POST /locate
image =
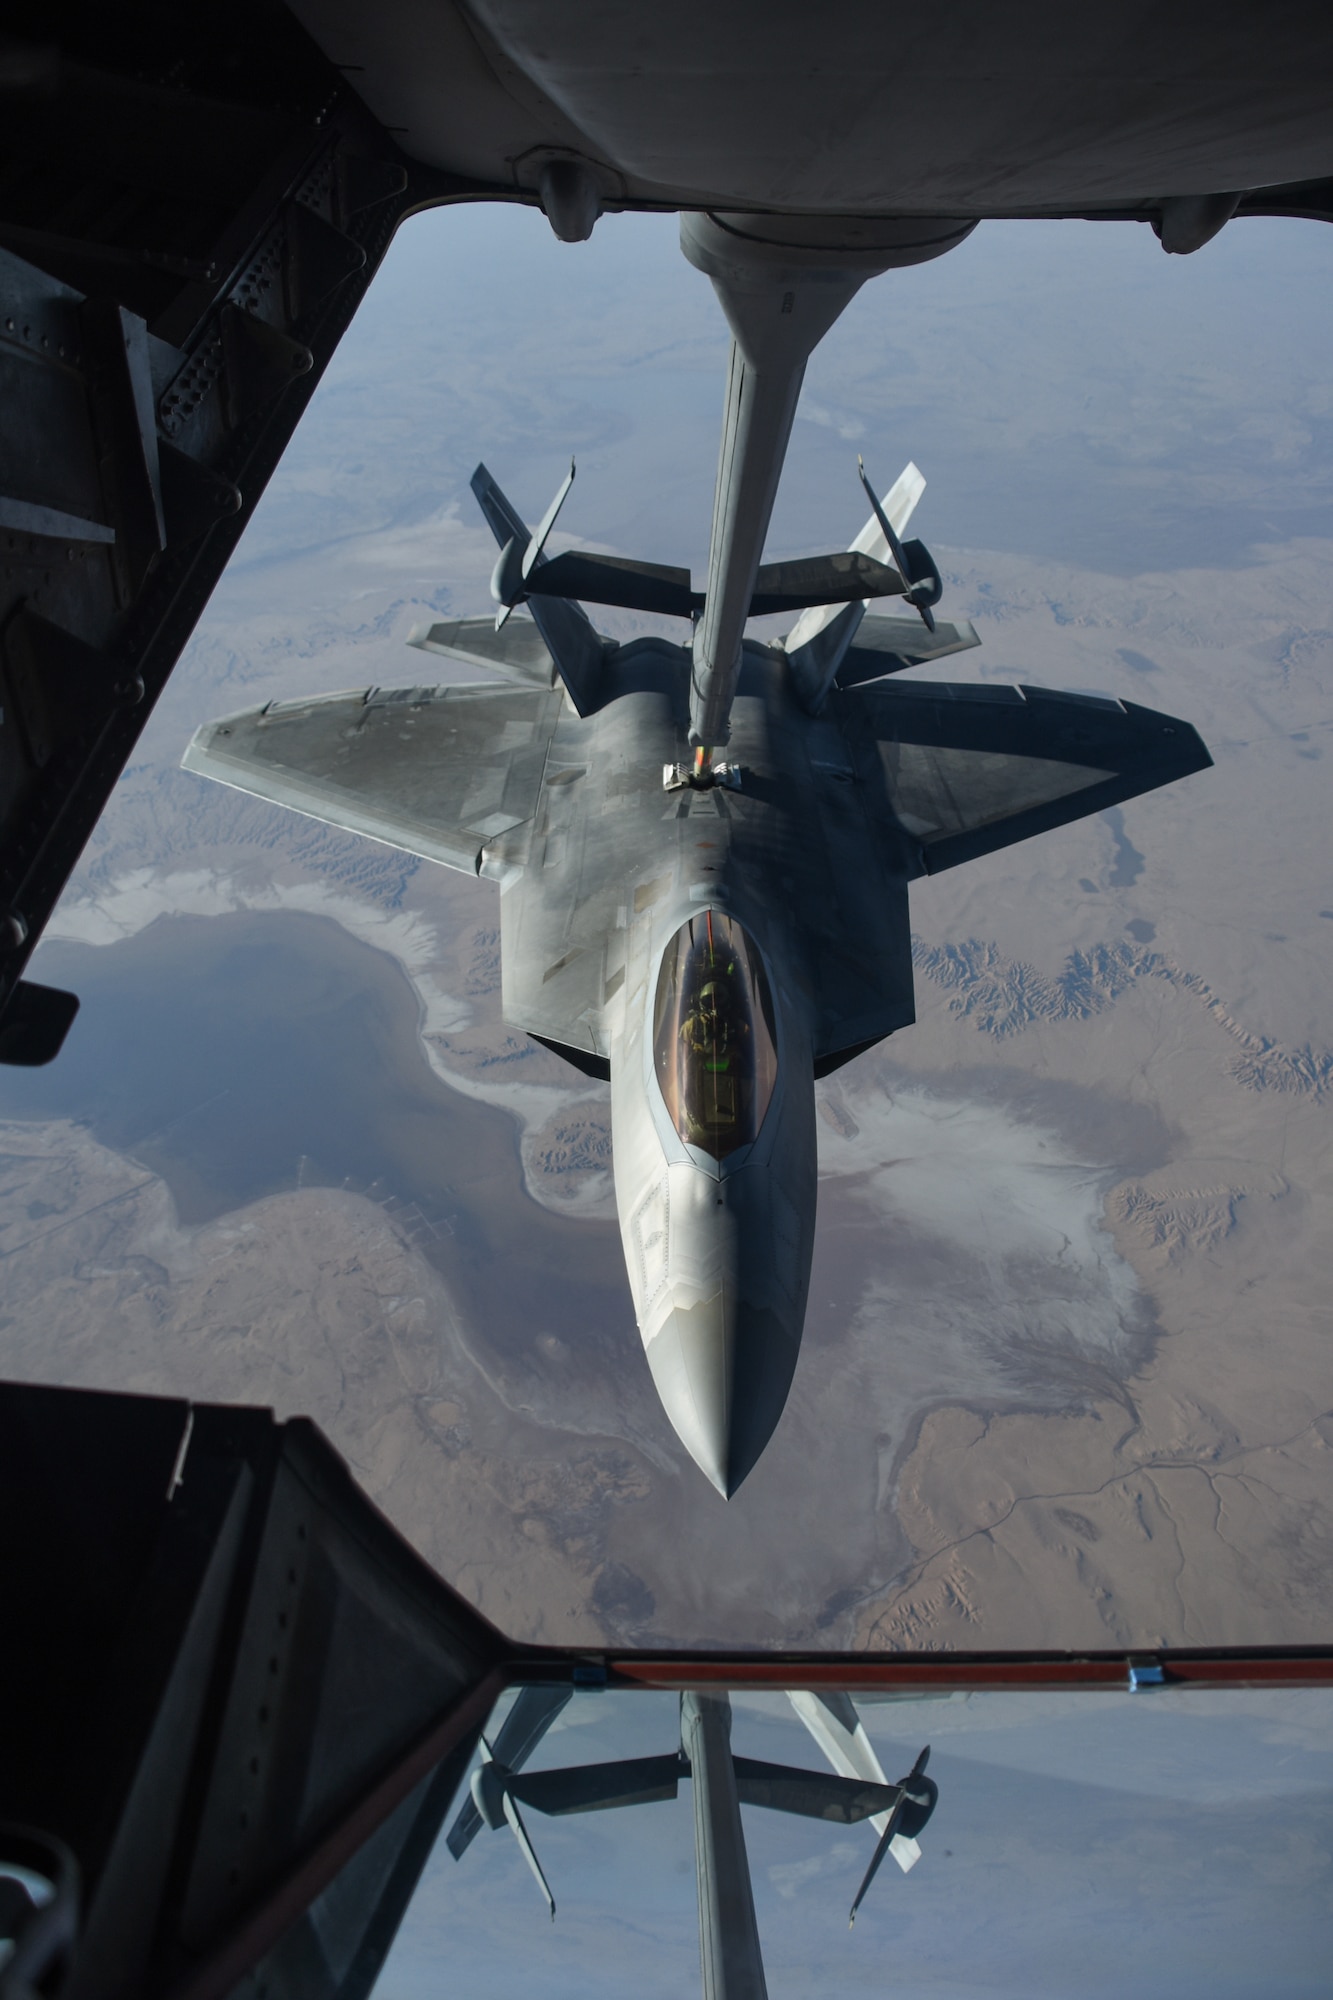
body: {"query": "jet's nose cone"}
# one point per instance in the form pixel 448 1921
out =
pixel 723 1368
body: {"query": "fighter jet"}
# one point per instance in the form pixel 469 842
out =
pixel 703 849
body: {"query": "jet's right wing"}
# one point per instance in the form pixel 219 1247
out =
pixel 962 770
pixel 437 771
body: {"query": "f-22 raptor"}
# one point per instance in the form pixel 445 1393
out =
pixel 704 849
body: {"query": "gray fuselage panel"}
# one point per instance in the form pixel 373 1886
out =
pixel 791 854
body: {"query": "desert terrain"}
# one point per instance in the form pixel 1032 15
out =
pixel 1068 1370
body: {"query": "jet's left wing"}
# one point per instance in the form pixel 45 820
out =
pixel 438 771
pixel 962 770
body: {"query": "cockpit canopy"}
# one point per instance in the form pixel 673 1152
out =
pixel 714 1046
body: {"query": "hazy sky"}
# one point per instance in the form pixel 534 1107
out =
pixel 1068 389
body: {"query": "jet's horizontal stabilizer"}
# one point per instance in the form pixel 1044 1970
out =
pixel 887 645
pixel 880 646
pixel 518 651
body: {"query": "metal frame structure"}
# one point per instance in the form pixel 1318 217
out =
pixel 241 1705
pixel 193 203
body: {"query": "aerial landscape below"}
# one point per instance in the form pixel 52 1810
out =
pixel 713 943
pixel 1064 1378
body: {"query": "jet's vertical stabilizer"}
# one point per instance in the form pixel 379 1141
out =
pixel 502 518
pixel 577 649
pixel 817 643
pixel 832 1720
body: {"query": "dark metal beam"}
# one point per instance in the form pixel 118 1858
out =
pixel 191 210
pixel 227 1680
pixel 445 1748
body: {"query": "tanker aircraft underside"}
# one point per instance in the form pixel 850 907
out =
pixel 731 1960
pixel 704 849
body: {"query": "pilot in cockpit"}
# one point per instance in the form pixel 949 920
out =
pixel 715 1037
pixel 715 1027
